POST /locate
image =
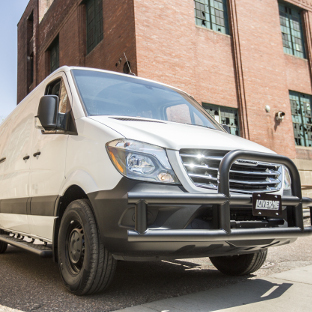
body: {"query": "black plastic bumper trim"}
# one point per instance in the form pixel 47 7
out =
pixel 205 199
pixel 159 235
pixel 37 206
pixel 186 199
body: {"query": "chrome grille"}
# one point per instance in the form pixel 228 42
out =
pixel 202 167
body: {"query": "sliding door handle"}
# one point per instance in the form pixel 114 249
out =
pixel 37 154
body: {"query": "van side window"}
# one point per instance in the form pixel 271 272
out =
pixel 58 88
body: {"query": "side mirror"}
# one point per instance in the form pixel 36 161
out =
pixel 48 111
pixel 227 128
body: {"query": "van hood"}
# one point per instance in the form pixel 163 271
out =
pixel 172 135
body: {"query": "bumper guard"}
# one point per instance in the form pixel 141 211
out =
pixel 223 199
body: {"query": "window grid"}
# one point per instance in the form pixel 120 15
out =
pixel 225 116
pixel 292 33
pixel 301 118
pixel 94 12
pixel 212 14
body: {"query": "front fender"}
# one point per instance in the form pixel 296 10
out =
pixel 82 179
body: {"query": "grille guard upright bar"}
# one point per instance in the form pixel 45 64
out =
pixel 223 187
pixel 224 200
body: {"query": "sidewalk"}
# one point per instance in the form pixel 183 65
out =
pixel 286 291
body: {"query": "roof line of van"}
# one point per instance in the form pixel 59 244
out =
pixel 67 69
pixel 120 74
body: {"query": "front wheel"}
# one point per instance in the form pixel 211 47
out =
pixel 86 266
pixel 3 245
pixel 240 265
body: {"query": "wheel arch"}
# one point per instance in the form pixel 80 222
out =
pixel 72 193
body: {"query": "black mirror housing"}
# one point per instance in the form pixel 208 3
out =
pixel 48 112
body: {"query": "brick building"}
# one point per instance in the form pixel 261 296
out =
pixel 243 60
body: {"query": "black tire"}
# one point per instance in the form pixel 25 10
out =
pixel 240 265
pixel 3 245
pixel 85 264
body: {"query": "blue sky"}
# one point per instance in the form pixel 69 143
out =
pixel 11 13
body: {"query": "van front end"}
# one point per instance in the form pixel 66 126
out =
pixel 151 221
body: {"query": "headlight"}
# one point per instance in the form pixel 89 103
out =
pixel 141 161
pixel 287 179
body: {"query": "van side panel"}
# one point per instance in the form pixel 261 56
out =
pixel 42 226
pixel 14 222
pixel 16 135
pixel 47 170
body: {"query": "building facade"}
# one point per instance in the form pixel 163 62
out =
pixel 247 62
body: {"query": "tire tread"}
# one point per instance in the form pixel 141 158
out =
pixel 102 264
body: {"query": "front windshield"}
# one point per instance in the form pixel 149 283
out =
pixel 118 95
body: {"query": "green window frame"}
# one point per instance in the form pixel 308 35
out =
pixel 225 116
pixel 292 30
pixel 301 117
pixel 94 19
pixel 212 14
pixel 54 55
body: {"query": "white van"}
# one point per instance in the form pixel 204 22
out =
pixel 101 166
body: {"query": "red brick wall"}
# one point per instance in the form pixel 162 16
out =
pixel 67 19
pixel 118 27
pixel 264 69
pixel 55 22
pixel 163 43
pixel 298 74
pixel 119 38
pixel 171 49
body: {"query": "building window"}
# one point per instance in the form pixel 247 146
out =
pixel 30 53
pixel 225 116
pixel 30 72
pixel 30 26
pixel 301 118
pixel 54 55
pixel 292 31
pixel 94 12
pixel 212 14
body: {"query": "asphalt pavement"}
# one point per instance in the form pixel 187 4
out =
pixel 286 291
pixel 30 283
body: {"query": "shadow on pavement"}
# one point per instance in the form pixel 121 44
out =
pixel 31 283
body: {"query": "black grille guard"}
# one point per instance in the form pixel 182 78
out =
pixel 223 199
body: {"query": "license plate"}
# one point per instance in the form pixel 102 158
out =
pixel 266 205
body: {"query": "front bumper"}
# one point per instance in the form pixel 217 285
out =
pixel 223 201
pixel 144 234
pixel 139 221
